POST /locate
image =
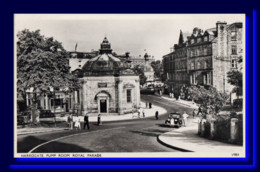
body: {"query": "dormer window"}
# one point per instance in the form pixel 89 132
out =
pixel 205 39
pixel 192 41
pixel 199 40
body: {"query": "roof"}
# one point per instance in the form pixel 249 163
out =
pixel 103 64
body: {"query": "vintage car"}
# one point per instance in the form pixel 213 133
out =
pixel 174 120
pixel 148 90
pixel 46 114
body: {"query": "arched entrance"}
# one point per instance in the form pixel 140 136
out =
pixel 103 102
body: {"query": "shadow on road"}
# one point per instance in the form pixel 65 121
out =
pixel 31 141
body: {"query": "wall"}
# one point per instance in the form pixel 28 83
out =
pixel 116 87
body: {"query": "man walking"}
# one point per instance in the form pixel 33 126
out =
pixel 143 113
pixel 184 117
pixel 199 111
pixel 70 121
pixel 86 121
pixel 156 115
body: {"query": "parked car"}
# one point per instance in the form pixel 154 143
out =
pixel 148 90
pixel 46 114
pixel 174 120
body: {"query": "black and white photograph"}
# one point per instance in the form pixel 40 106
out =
pixel 129 85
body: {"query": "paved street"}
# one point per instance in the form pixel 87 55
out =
pixel 137 135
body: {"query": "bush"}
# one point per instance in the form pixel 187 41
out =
pixel 206 97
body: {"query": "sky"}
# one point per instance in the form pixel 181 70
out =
pixel 134 33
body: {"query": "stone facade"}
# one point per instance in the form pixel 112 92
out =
pixel 111 89
pixel 208 55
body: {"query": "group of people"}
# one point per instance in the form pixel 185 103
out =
pixel 75 123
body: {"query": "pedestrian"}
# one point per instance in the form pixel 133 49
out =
pixel 70 121
pixel 200 110
pixel 132 111
pixel 194 113
pixel 150 105
pixel 171 122
pixel 143 113
pixel 77 123
pixel 99 120
pixel 200 116
pixel 156 115
pixel 184 118
pixel 138 112
pixel 86 121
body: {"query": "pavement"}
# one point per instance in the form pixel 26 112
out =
pixel 92 118
pixel 187 139
pixel 180 101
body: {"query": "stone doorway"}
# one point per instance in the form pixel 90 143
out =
pixel 103 106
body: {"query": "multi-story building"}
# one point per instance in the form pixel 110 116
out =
pixel 208 56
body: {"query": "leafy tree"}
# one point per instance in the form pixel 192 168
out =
pixel 42 63
pixel 157 66
pixel 209 97
pixel 236 78
pixel 139 69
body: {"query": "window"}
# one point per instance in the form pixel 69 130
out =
pixel 233 36
pixel 192 41
pixel 205 65
pixel 205 51
pixel 209 78
pixel 198 52
pixel 192 66
pixel 128 96
pixel 205 78
pixel 205 39
pixel 191 53
pixel 198 65
pixel 234 49
pixel 199 39
pixel 234 63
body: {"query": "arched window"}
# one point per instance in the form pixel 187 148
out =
pixel 205 65
pixel 198 65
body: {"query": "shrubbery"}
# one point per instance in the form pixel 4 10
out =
pixel 206 97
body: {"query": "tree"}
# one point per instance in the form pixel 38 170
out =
pixel 139 69
pixel 235 78
pixel 207 97
pixel 41 64
pixel 157 66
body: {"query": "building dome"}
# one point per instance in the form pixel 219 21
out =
pixel 105 63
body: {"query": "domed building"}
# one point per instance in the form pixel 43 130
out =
pixel 108 85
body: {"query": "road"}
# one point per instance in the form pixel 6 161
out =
pixel 137 135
